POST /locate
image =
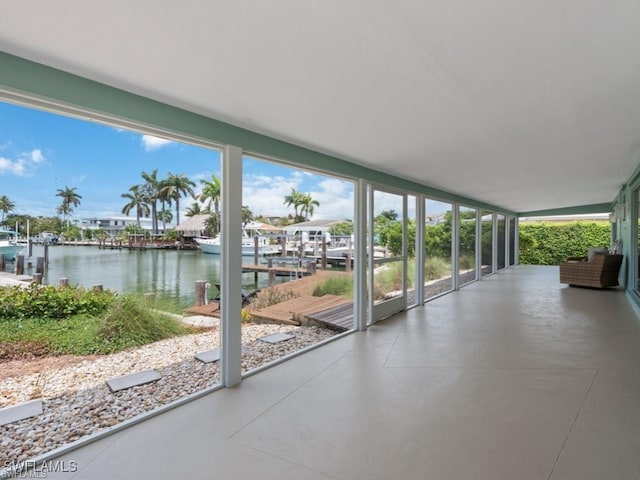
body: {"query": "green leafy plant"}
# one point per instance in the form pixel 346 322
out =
pixel 552 243
pixel 130 323
pixel 51 302
pixel 271 296
pixel 341 285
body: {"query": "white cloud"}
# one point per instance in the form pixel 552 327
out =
pixel 36 156
pixel 265 196
pixel 16 167
pixel 23 165
pixel 149 142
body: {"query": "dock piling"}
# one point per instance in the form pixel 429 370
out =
pixel 40 261
pixel 20 265
pixel 64 282
pixel 201 288
pixel 3 262
pixel 311 267
pixel 37 278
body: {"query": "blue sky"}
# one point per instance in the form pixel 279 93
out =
pixel 41 152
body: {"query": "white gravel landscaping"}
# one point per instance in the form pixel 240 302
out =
pixel 77 401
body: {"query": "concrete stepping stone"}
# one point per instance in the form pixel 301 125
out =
pixel 276 337
pixel 21 411
pixel 209 356
pixel 133 380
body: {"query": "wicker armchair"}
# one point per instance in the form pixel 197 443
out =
pixel 601 272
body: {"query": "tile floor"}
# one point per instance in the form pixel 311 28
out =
pixel 513 377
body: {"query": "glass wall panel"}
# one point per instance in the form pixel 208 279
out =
pixel 438 240
pixel 411 251
pixel 467 245
pixel 388 244
pixel 298 253
pixel 512 240
pixel 636 237
pixel 487 243
pixel 501 241
pixel 119 232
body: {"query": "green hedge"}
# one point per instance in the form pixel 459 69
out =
pixel 552 243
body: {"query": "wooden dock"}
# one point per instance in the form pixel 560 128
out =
pixel 338 318
pixel 9 280
pixel 279 271
pixel 309 310
pixel 211 309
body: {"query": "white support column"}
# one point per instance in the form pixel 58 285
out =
pixel 231 279
pixel 419 281
pixel 478 244
pixel 455 246
pixel 516 249
pixel 405 248
pixel 360 261
pixel 370 276
pixel 507 238
pixel 494 243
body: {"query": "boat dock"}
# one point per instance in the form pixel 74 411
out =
pixel 329 311
pixel 8 279
pixel 279 271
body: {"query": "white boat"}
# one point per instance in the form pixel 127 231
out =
pixel 212 245
pixel 9 244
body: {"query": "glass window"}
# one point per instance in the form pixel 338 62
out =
pixel 438 239
pixel 512 240
pixel 501 241
pixel 487 243
pixel 467 245
pixel 298 251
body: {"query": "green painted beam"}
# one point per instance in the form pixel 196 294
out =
pixel 577 210
pixel 42 82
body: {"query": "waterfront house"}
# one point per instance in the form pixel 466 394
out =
pixel 509 109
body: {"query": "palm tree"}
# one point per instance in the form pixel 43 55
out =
pixel 166 216
pixel 247 215
pixel 294 199
pixel 194 209
pixel 151 190
pixel 211 193
pixel 165 201
pixel 6 206
pixel 307 206
pixel 174 187
pixel 70 199
pixel 137 200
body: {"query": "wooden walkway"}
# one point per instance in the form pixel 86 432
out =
pixel 278 271
pixel 328 311
pixel 338 318
pixel 9 280
pixel 212 309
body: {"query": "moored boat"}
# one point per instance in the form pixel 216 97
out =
pixel 252 232
pixel 9 244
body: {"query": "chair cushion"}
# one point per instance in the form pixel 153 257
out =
pixel 593 251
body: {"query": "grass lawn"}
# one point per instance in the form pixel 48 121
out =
pixel 126 323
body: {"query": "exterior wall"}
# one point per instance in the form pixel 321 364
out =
pixel 624 228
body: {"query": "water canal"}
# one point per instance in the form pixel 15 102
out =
pixel 169 273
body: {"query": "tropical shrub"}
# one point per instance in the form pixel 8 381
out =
pixel 341 285
pixel 51 302
pixel 552 243
pixel 130 323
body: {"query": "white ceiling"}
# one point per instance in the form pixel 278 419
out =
pixel 528 105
